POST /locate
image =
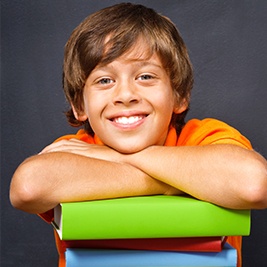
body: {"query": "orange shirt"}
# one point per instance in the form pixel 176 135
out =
pixel 195 133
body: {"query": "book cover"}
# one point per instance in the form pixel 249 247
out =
pixel 148 217
pixel 200 244
pixel 141 258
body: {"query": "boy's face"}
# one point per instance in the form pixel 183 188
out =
pixel 129 102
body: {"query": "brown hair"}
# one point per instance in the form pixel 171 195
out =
pixel 123 24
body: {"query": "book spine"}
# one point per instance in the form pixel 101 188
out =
pixel 130 258
pixel 201 244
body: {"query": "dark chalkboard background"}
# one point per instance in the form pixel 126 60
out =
pixel 227 41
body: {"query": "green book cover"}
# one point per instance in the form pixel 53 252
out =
pixel 148 217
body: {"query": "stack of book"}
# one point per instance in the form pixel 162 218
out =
pixel 149 231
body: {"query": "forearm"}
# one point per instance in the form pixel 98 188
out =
pixel 226 175
pixel 43 181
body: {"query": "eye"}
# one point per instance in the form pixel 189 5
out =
pixel 105 81
pixel 145 77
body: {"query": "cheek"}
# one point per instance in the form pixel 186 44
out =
pixel 92 103
pixel 95 105
pixel 165 102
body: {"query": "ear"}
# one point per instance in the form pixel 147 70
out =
pixel 79 115
pixel 181 106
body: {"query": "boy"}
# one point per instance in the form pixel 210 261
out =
pixel 127 77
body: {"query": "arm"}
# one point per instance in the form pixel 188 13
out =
pixel 43 181
pixel 227 175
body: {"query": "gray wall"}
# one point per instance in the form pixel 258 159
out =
pixel 227 43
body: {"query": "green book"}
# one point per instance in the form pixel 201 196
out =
pixel 148 217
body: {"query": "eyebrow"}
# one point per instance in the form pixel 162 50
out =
pixel 142 63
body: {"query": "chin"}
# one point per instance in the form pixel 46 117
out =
pixel 128 149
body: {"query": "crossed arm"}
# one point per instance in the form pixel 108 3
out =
pixel 72 170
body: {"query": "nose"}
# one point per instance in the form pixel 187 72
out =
pixel 126 93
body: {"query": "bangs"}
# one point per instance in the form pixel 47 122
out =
pixel 117 46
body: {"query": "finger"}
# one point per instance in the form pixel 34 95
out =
pixel 54 146
pixel 71 145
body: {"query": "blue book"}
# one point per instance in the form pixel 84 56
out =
pixel 138 258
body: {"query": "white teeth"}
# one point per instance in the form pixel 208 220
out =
pixel 127 120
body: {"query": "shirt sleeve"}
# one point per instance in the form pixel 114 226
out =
pixel 211 131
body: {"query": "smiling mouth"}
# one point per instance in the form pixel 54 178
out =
pixel 128 120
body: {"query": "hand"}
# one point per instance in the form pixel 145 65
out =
pixel 79 147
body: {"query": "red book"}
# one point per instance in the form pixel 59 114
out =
pixel 201 244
